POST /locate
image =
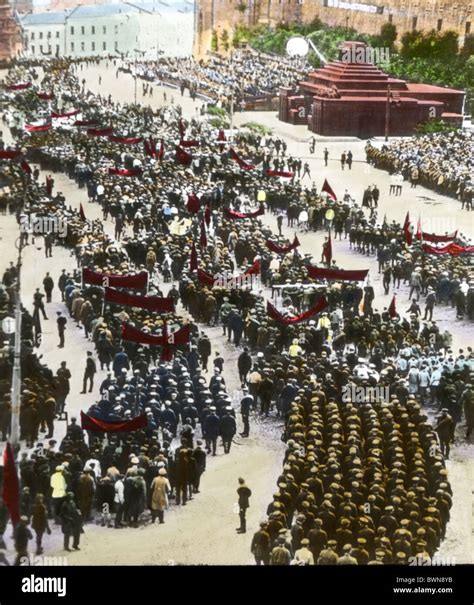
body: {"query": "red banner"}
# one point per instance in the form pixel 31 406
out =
pixel 193 203
pixel 190 143
pixel 33 128
pixel 67 114
pixel 134 282
pixel 152 303
pixel 22 86
pixel 232 214
pixel 328 189
pixel 203 237
pixel 85 123
pixel 11 485
pixel 254 269
pixel 26 167
pixel 181 128
pixel 89 423
pixel 242 163
pixel 124 172
pixel 82 214
pixel 392 309
pixel 287 321
pixel 45 96
pixel 205 278
pixel 432 237
pixel 282 249
pixel 453 249
pixel 132 334
pixel 406 230
pixel 193 261
pixel 100 132
pixel 207 215
pixel 339 274
pixel 280 173
pixel 125 140
pixel 9 154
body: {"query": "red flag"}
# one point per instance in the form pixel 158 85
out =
pixel 85 123
pixel 183 157
pixel 202 237
pixel 193 263
pixel 190 143
pixel 221 137
pixel 161 152
pixel 22 86
pixel 100 132
pixel 132 334
pixel 207 215
pixel 49 185
pixel 328 189
pixel 45 96
pixel 392 310
pixel 9 154
pixel 205 278
pixel 11 485
pixel 327 251
pixel 453 249
pixel 193 204
pixel 277 316
pixel 26 167
pixel 432 237
pixel 82 214
pixel 419 232
pixel 152 303
pixel 254 269
pixel 406 230
pixel 89 423
pixel 242 163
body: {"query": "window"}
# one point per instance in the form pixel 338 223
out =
pixel 116 45
pixel 115 29
pixel 83 30
pixel 33 35
pixel 72 47
pixel 104 45
pixel 41 48
pixel 57 34
pixel 49 48
pixel 33 49
pixel 93 46
pixel 104 29
pixel 72 30
pixel 92 29
pixel 83 46
pixel 41 35
pixel 414 21
pixel 439 25
pixel 390 18
pixel 467 30
pixel 57 50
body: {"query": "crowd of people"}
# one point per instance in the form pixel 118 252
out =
pixel 364 479
pixel 441 161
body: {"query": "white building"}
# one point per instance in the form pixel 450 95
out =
pixel 142 29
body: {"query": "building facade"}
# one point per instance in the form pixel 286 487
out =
pixel 141 30
pixel 365 16
pixel 10 32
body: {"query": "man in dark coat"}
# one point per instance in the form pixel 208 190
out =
pixel 260 546
pixel 71 522
pixel 244 494
pixel 211 430
pixel 227 429
pixel 48 285
pixel 244 364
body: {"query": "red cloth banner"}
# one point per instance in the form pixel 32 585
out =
pixel 432 237
pixel 85 123
pixel 21 86
pixel 242 163
pixel 33 128
pixel 183 157
pixel 100 132
pixel 125 140
pixel 124 172
pixel 26 167
pixel 328 189
pixel 280 173
pixel 133 282
pixel 152 303
pixel 232 214
pixel 453 249
pixel 67 114
pixel 82 214
pixel 180 337
pixel 161 152
pixel 45 96
pixel 205 278
pixel 181 128
pixel 287 321
pixel 254 269
pixel 339 274
pixel 190 143
pixel 193 262
pixel 406 230
pixel 193 203
pixel 9 154
pixel 11 485
pixel 89 423
pixel 392 309
pixel 282 249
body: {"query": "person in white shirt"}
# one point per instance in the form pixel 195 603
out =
pixel 119 500
pixel 303 556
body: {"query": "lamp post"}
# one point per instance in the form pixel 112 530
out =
pixel 16 374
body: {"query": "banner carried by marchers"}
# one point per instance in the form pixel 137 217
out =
pixel 287 321
pixel 152 303
pixel 180 337
pixel 337 274
pixel 133 282
pixel 89 423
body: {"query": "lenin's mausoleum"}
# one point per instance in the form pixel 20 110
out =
pixel 358 99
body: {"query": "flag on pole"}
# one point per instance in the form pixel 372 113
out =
pixel 419 232
pixel 406 230
pixel 82 213
pixel 329 190
pixel 203 238
pixel 392 309
pixel 193 263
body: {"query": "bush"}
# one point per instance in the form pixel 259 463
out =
pixel 219 112
pixel 433 126
pixel 219 122
pixel 257 128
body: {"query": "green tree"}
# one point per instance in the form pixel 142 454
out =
pixel 225 40
pixel 214 41
pixel 388 35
